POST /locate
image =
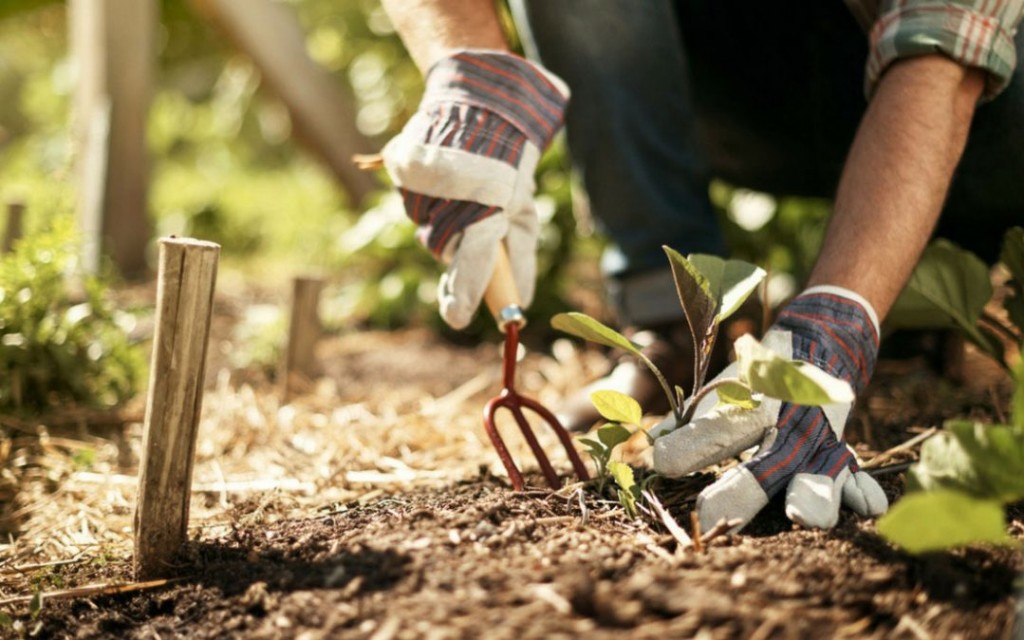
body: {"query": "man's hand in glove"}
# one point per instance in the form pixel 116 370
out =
pixel 801 448
pixel 464 164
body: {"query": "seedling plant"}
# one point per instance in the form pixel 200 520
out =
pixel 970 471
pixel 710 289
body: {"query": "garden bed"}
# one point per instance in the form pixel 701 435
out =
pixel 372 507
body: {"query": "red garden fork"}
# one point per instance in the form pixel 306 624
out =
pixel 503 300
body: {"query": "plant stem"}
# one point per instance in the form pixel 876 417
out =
pixel 676 411
pixel 703 393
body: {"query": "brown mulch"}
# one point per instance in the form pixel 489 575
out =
pixel 372 507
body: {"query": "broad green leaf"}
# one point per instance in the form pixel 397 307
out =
pixel 628 491
pixel 944 464
pixel 1012 257
pixel 952 281
pixel 731 281
pixel 997 453
pixel 1012 253
pixel 617 407
pixel 736 393
pixel 788 380
pixel 583 326
pixel 700 306
pixel 936 520
pixel 983 460
pixel 612 435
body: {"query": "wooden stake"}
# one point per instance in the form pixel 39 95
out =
pixel 299 365
pixel 188 272
pixel 13 230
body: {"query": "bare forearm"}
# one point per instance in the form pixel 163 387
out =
pixel 432 29
pixel 897 176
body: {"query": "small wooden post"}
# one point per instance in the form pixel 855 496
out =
pixel 186 278
pixel 299 365
pixel 13 230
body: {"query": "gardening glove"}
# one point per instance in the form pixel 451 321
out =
pixel 801 448
pixel 464 164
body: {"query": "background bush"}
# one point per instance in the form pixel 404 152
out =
pixel 61 340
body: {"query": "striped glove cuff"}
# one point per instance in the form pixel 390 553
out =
pixel 834 329
pixel 477 98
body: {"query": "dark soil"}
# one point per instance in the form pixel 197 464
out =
pixel 473 559
pixel 476 560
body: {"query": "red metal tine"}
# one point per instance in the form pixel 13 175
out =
pixel 511 400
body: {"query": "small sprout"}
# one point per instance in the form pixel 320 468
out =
pixel 628 490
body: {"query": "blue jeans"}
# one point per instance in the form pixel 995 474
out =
pixel 667 94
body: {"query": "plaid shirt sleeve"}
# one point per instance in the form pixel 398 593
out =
pixel 975 33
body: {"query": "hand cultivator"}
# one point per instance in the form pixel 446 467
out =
pixel 503 300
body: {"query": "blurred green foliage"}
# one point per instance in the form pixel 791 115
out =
pixel 225 167
pixel 61 340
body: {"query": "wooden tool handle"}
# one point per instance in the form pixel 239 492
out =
pixel 502 293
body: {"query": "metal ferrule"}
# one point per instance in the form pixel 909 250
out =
pixel 512 314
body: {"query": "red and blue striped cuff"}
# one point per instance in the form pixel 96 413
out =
pixel 439 220
pixel 499 83
pixel 834 333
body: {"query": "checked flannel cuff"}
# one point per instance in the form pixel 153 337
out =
pixel 489 104
pixel 974 33
pixel 837 332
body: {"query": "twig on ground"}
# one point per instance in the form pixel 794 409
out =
pixel 683 538
pixel 721 527
pixel 93 590
pixel 698 544
pixel 909 444
pixel 25 568
pixel 889 468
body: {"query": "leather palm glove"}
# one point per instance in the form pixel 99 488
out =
pixel 801 449
pixel 464 164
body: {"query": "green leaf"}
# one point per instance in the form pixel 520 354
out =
pixel 628 490
pixel 1017 408
pixel 788 380
pixel 983 460
pixel 736 393
pixel 997 453
pixel 700 306
pixel 35 605
pixel 5 621
pixel 1012 253
pixel 944 464
pixel 1012 257
pixel 583 326
pixel 617 407
pixel 594 447
pixel 937 520
pixel 953 282
pixel 612 435
pixel 731 281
